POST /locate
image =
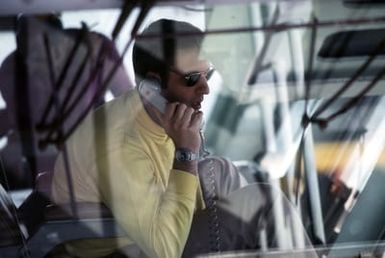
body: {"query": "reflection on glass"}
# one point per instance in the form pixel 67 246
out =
pixel 273 91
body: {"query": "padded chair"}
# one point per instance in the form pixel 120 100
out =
pixel 37 226
pixel 49 84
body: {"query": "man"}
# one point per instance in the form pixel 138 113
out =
pixel 124 153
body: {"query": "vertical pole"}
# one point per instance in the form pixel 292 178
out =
pixel 23 107
pixel 313 186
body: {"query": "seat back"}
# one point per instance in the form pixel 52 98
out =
pixel 10 230
pixel 49 84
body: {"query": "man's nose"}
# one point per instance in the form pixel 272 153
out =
pixel 203 87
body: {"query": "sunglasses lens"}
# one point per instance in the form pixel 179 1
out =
pixel 209 74
pixel 192 79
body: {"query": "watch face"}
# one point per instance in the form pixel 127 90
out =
pixel 185 155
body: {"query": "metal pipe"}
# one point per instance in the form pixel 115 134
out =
pixel 276 27
pixel 312 185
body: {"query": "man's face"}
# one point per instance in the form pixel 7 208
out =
pixel 187 62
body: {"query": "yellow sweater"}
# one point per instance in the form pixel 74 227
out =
pixel 121 157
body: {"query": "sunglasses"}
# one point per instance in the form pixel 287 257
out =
pixel 192 78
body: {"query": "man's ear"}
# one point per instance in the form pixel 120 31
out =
pixel 157 77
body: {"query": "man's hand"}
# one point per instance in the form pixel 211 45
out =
pixel 182 124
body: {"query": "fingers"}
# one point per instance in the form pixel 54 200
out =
pixel 182 115
pixel 196 120
pixel 170 110
pixel 182 124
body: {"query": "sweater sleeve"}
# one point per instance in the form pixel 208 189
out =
pixel 155 217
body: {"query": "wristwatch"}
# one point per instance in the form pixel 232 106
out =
pixel 183 154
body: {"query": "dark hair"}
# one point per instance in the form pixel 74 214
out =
pixel 156 50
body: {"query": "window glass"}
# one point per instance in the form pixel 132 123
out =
pixel 294 113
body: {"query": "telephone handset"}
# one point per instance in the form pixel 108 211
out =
pixel 150 89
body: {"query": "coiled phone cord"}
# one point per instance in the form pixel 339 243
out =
pixel 211 196
pixel 214 234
